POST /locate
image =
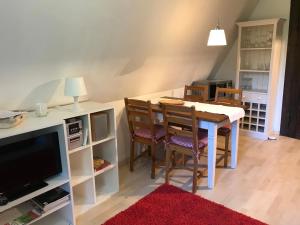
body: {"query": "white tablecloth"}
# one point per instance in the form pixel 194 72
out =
pixel 233 113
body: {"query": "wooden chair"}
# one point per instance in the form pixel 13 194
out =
pixel 196 93
pixel 142 129
pixel 184 141
pixel 228 96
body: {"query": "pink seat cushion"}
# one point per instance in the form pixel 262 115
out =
pixel 146 133
pixel 187 142
pixel 224 130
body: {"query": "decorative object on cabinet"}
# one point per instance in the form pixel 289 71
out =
pixel 259 46
pixel 74 133
pixel 9 119
pixel 75 87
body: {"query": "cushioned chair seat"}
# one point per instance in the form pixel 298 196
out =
pixel 223 131
pixel 187 142
pixel 146 133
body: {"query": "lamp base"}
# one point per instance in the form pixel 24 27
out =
pixel 76 107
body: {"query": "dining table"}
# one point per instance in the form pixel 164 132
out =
pixel 211 116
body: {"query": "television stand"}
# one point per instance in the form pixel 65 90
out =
pixel 24 190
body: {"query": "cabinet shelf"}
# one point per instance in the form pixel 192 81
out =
pixel 107 168
pixel 25 207
pixel 255 49
pixel 52 183
pixel 76 180
pixel 255 71
pixel 79 149
pixel 111 137
pixel 49 212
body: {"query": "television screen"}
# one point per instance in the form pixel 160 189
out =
pixel 28 161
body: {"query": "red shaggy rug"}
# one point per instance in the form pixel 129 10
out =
pixel 169 205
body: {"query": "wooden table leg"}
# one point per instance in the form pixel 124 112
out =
pixel 234 143
pixel 212 150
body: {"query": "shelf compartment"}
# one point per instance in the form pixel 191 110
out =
pixel 13 213
pixel 59 217
pixel 254 81
pixel 106 184
pixel 253 120
pixel 102 126
pixel 246 126
pixel 254 106
pixel 52 183
pixel 81 166
pixel 254 113
pixel 260 36
pixel 261 122
pixel 103 140
pixel 253 127
pixel 106 151
pixel 84 197
pixel 246 119
pixel 263 107
pixel 247 112
pixel 73 132
pixel 262 114
pixel 261 129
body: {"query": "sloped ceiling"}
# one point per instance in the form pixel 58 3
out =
pixel 121 47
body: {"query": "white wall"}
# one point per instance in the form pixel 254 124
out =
pixel 121 47
pixel 265 9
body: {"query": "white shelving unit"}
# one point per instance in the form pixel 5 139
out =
pixel 87 187
pixel 259 46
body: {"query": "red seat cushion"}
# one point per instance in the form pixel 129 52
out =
pixel 146 133
pixel 187 142
pixel 223 131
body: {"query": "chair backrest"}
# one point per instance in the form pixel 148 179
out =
pixel 177 117
pixel 229 96
pixel 196 93
pixel 139 115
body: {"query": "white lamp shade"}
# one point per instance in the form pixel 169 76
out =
pixel 217 38
pixel 75 86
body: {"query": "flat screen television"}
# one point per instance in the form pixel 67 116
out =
pixel 24 165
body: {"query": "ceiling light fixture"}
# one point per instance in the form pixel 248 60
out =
pixel 217 37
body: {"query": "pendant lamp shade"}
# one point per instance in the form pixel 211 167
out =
pixel 217 37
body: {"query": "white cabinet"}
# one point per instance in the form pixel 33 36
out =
pixel 259 46
pixel 86 186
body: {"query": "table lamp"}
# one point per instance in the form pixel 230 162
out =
pixel 75 87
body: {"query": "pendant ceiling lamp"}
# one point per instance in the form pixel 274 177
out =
pixel 217 37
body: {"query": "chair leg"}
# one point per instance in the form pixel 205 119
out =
pixel 195 174
pixel 132 154
pixel 153 148
pixel 226 149
pixel 149 150
pixel 173 159
pixel 168 164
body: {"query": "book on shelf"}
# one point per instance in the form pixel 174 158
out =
pixel 26 218
pixel 99 164
pixel 51 199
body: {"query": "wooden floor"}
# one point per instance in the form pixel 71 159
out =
pixel 266 184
